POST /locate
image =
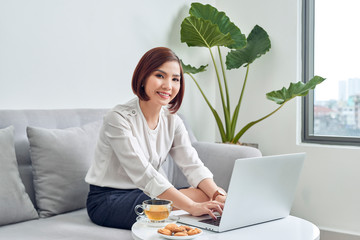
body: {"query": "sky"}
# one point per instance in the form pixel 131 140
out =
pixel 337 44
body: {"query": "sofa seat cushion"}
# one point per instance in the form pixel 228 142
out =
pixel 71 226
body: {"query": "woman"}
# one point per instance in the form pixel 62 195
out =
pixel 134 141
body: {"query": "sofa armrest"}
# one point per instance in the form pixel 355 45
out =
pixel 220 158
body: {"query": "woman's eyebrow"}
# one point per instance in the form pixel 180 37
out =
pixel 161 71
pixel 175 74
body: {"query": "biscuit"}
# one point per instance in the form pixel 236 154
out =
pixel 180 234
pixel 179 229
pixel 187 228
pixel 171 226
pixel 192 232
pixel 173 229
pixel 165 231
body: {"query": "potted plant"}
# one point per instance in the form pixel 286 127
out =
pixel 209 28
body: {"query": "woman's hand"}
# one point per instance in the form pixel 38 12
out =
pixel 198 209
pixel 220 198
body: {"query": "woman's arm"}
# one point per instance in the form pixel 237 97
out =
pixel 209 187
pixel 186 157
pixel 183 202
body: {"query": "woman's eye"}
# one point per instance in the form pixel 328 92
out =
pixel 176 79
pixel 159 76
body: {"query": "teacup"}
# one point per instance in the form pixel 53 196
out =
pixel 156 210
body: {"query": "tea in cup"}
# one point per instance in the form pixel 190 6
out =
pixel 156 210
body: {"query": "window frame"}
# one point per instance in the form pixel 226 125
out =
pixel 308 8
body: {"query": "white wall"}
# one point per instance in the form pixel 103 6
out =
pixel 81 54
pixel 328 193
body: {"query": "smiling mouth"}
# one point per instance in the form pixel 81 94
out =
pixel 165 95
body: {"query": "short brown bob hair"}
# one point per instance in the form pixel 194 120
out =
pixel 151 61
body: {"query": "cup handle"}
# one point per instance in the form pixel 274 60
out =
pixel 137 212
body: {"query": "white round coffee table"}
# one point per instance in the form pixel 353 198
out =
pixel 291 227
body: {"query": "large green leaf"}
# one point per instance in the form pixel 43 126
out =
pixel 210 13
pixel 193 70
pixel 295 89
pixel 258 43
pixel 203 33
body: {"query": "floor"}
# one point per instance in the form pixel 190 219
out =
pixel 327 235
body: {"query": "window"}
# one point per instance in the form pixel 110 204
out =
pixel 331 49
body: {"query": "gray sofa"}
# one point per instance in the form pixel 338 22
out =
pixel 42 189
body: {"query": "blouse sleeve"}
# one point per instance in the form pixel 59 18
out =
pixel 131 157
pixel 186 157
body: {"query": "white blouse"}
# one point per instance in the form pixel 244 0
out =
pixel 129 154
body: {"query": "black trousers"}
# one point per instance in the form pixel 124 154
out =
pixel 111 207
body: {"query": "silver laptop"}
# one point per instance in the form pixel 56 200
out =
pixel 261 189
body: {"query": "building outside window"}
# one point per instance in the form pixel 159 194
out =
pixel 331 49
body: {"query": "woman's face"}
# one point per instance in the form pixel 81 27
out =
pixel 164 83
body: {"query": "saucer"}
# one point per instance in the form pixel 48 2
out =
pixel 180 237
pixel 159 224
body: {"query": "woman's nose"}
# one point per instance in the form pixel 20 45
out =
pixel 167 84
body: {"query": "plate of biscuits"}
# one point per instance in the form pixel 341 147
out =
pixel 174 231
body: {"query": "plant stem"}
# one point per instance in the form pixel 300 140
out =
pixel 249 125
pixel 226 113
pixel 225 81
pixel 216 115
pixel 237 109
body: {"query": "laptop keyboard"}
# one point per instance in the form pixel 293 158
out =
pixel 212 221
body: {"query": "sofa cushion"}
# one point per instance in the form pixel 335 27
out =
pixel 15 204
pixel 74 225
pixel 60 159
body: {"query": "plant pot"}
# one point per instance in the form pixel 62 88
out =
pixel 254 145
